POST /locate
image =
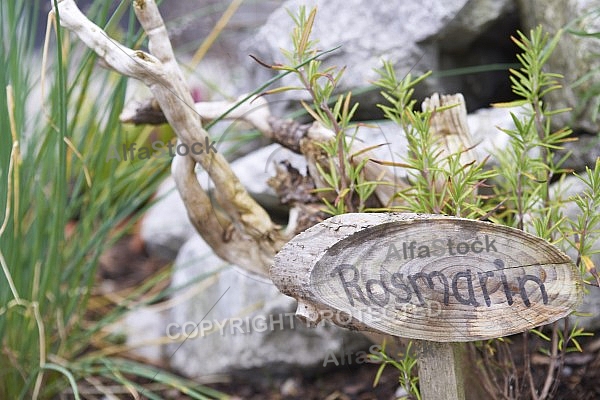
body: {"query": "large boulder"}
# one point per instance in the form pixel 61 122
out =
pixel 225 68
pixel 564 191
pixel 412 35
pixel 232 320
pixel 583 152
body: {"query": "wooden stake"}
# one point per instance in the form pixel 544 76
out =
pixel 441 367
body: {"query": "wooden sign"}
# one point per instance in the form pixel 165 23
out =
pixel 427 277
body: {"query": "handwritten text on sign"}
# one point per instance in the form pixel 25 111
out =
pixel 483 280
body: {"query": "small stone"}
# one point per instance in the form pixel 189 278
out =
pixel 400 393
pixel 291 387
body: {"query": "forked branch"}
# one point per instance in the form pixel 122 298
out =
pixel 244 234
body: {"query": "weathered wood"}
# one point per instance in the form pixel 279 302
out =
pixel 426 277
pixel 441 370
pixel 450 131
pixel 236 227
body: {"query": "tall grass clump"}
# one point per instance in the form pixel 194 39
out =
pixel 63 201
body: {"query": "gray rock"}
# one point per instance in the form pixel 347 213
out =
pixel 144 328
pixel 412 35
pixel 485 125
pixel 584 152
pixel 591 301
pixel 572 186
pixel 243 321
pixel 190 22
pixel 224 69
pixel 589 310
pixel 391 140
pixel 166 227
pixel 574 57
pixel 474 18
pixel 395 30
pixel 256 168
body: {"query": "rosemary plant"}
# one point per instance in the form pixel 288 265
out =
pixel 443 184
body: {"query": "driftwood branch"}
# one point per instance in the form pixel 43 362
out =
pixel 244 234
pixel 449 128
pixel 254 111
pixel 304 139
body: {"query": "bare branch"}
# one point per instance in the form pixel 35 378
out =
pixel 255 111
pixel 244 219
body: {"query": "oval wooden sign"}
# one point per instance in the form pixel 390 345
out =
pixel 426 277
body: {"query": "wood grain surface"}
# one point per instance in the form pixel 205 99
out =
pixel 426 277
